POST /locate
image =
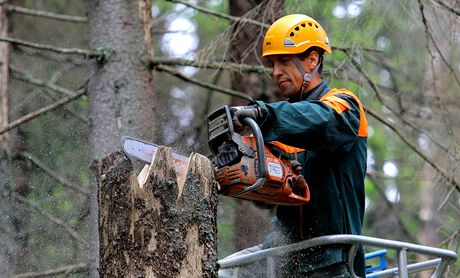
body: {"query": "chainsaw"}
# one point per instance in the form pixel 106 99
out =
pixel 246 168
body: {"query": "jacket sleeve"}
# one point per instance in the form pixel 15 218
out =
pixel 320 125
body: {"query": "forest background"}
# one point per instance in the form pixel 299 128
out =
pixel 78 75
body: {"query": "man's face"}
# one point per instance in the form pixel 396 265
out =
pixel 285 74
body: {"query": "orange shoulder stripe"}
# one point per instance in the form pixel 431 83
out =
pixel 330 99
pixel 338 104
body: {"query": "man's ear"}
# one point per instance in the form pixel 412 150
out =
pixel 313 60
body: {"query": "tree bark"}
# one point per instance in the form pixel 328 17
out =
pixel 121 88
pixel 158 224
pixel 13 171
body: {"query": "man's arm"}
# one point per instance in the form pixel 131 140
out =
pixel 321 125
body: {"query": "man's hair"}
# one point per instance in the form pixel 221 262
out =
pixel 307 52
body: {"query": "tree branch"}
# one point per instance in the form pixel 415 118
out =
pixel 242 68
pixel 430 38
pixel 69 269
pixel 52 218
pixel 221 15
pixel 450 179
pixel 42 111
pixel 200 83
pixel 393 209
pixel 45 14
pixel 450 9
pixel 62 180
pixel 76 51
pixel 23 76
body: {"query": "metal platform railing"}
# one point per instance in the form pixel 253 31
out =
pixel 443 257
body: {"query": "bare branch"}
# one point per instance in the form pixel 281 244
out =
pixel 430 38
pixel 379 96
pixel 52 218
pixel 450 179
pixel 62 180
pixel 69 269
pixel 20 75
pixel 43 110
pixel 55 57
pixel 393 209
pixel 200 83
pixel 221 15
pixel 45 14
pixel 450 9
pixel 242 68
pixel 83 52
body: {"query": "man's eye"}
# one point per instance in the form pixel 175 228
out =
pixel 268 64
pixel 285 61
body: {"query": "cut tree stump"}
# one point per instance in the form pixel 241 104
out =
pixel 157 224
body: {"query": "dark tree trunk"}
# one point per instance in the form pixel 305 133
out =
pixel 164 227
pixel 251 223
pixel 120 90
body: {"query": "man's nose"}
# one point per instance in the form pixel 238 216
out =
pixel 276 70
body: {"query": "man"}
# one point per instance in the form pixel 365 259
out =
pixel 331 126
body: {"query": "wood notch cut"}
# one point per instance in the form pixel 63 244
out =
pixel 157 217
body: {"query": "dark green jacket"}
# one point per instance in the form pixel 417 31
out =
pixel 334 166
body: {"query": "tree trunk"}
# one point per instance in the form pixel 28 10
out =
pixel 251 223
pixel 157 225
pixel 120 90
pixel 13 171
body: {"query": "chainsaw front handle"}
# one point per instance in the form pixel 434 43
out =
pixel 260 157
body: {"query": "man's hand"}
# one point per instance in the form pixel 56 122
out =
pixel 253 111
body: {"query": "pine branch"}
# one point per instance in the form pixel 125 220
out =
pixel 75 51
pixel 63 270
pixel 450 179
pixel 62 180
pixel 52 218
pixel 201 83
pixel 23 76
pixel 242 68
pixel 45 14
pixel 43 110
pixel 221 15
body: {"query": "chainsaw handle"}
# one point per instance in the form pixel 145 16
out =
pixel 260 147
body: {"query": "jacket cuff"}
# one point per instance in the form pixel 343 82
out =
pixel 264 110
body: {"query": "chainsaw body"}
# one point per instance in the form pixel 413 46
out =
pixel 248 169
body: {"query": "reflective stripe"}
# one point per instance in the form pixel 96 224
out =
pixel 338 104
pixel 331 100
pixel 286 148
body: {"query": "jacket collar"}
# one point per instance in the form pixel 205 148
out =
pixel 314 94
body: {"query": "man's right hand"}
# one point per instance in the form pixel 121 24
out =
pixel 252 111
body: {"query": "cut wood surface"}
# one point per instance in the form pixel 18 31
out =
pixel 152 225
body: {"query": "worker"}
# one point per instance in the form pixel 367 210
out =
pixel 330 125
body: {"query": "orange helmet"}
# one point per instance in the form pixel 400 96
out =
pixel 293 34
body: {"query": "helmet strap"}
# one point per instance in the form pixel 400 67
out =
pixel 306 77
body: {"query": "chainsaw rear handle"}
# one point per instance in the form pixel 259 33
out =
pixel 260 157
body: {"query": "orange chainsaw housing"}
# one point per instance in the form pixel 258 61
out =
pixel 278 187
